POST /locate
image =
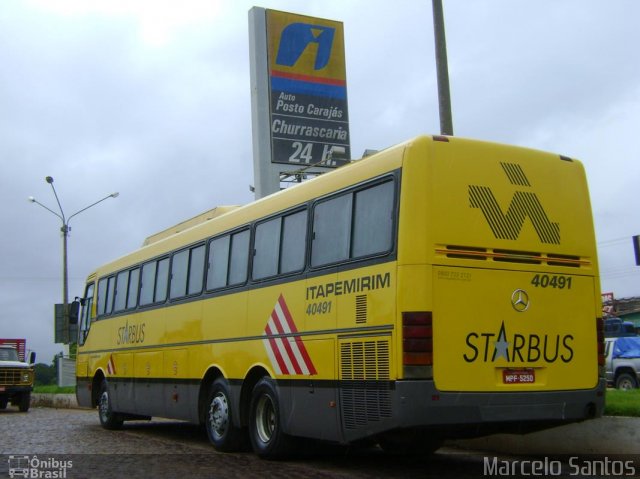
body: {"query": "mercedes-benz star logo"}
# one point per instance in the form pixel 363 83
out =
pixel 520 300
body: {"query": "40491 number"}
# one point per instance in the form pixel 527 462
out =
pixel 321 307
pixel 551 281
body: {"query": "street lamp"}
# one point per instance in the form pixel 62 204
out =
pixel 65 233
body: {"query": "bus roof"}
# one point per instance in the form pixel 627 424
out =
pixel 190 223
pixel 226 218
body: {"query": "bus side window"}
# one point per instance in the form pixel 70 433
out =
pixel 267 246
pixel 179 269
pixel 155 282
pixel 148 283
pixel 132 292
pixel 228 260
pixel 187 270
pixel 85 315
pixel 102 296
pixel 280 245
pixel 120 301
pixel 373 220
pixel 353 225
pixel 331 230
pixel 239 258
pixel 162 281
pixel 218 262
pixel 294 242
pixel 196 270
pixel 111 285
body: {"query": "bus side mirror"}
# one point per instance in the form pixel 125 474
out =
pixel 32 357
pixel 74 310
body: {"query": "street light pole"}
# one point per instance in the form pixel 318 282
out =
pixel 65 234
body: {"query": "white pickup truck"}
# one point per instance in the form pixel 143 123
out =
pixel 623 362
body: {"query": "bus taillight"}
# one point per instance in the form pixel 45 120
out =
pixel 417 338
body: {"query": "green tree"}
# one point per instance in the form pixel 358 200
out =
pixel 45 374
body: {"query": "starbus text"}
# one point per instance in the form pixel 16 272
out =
pixel 530 348
pixel 131 334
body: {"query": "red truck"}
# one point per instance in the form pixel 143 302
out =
pixel 16 375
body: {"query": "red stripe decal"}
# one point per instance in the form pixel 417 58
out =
pixel 287 314
pixel 276 351
pixel 292 326
pixel 287 349
pixel 285 342
pixel 305 356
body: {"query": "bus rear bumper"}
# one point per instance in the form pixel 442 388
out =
pixel 470 414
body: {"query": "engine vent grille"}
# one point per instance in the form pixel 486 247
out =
pixel 365 386
pixel 512 256
pixel 361 309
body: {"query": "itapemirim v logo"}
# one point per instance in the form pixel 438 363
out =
pixel 524 204
pixel 34 467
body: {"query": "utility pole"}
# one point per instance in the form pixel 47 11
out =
pixel 442 67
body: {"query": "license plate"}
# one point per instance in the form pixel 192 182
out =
pixel 518 376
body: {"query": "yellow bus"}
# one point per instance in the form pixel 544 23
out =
pixel 440 288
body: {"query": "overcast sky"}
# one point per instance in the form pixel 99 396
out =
pixel 152 99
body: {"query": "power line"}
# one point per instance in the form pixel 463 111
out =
pixel 619 273
pixel 614 241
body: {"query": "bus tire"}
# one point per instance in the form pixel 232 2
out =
pixel 109 419
pixel 25 402
pixel 218 420
pixel 265 428
pixel 626 381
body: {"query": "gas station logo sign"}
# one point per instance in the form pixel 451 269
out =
pixel 307 88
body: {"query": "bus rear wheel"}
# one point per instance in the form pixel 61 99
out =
pixel 109 419
pixel 218 421
pixel 265 429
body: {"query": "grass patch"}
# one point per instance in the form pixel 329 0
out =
pixel 622 403
pixel 53 389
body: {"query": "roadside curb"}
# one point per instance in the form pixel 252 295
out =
pixel 610 435
pixel 58 401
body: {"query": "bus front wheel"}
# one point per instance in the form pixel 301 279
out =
pixel 265 430
pixel 222 433
pixel 108 418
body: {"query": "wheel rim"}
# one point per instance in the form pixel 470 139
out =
pixel 626 384
pixel 219 415
pixel 104 406
pixel 265 418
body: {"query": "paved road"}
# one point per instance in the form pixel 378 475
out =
pixel 168 449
